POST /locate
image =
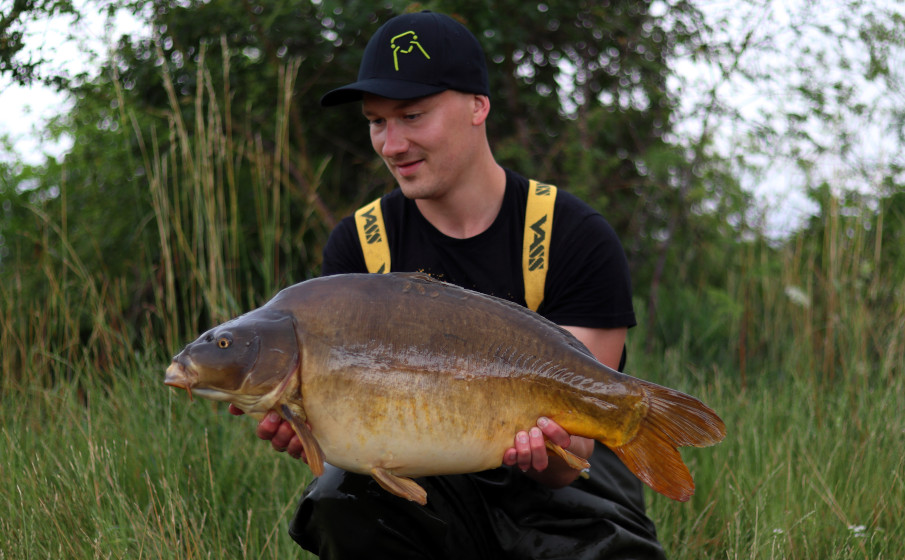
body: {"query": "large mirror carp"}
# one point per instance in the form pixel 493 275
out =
pixel 401 376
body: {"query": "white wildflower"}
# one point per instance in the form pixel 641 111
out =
pixel 858 531
pixel 798 296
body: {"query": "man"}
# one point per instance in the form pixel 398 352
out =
pixel 459 216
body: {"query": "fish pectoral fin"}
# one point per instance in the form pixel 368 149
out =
pixel 399 486
pixel 571 459
pixel 313 452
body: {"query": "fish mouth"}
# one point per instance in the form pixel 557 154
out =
pixel 179 376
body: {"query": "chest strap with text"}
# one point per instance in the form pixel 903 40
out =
pixel 372 235
pixel 535 245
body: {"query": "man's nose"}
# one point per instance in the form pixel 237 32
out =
pixel 394 140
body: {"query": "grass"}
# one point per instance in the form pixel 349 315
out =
pixel 805 472
pixel 134 470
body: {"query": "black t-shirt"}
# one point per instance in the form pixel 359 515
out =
pixel 587 281
pixel 587 285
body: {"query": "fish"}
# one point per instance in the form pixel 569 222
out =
pixel 401 376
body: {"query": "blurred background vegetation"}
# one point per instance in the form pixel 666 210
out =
pixel 203 177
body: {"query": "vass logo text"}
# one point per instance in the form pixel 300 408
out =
pixel 371 227
pixel 536 255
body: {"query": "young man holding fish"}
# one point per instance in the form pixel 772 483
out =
pixel 459 216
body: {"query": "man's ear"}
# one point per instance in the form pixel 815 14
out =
pixel 480 109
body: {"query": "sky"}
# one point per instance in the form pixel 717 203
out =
pixel 851 138
pixel 26 109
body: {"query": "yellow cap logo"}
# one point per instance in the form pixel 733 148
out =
pixel 405 43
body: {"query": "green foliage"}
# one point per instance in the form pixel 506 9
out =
pixel 139 238
pixel 185 120
pixel 15 16
pixel 835 288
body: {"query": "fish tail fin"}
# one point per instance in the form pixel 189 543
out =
pixel 673 420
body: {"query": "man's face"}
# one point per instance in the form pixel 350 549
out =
pixel 426 143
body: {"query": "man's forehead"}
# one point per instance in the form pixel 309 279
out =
pixel 371 102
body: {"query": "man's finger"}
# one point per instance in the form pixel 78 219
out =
pixel 538 449
pixel 267 428
pixel 283 436
pixel 523 450
pixel 296 450
pixel 554 432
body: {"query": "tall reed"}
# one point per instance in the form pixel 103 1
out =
pixel 201 191
pixel 812 466
pixel 227 213
pixel 101 459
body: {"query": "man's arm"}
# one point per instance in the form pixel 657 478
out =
pixel 605 344
pixel 529 452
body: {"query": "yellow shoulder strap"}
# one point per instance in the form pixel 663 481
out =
pixel 372 235
pixel 536 245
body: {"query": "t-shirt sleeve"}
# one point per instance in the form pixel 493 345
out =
pixel 342 253
pixel 589 284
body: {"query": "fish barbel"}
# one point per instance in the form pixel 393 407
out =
pixel 400 376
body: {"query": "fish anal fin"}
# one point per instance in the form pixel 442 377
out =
pixel 399 486
pixel 673 419
pixel 571 459
pixel 313 452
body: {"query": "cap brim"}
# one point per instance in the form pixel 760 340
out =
pixel 391 89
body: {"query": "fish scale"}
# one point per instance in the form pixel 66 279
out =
pixel 401 376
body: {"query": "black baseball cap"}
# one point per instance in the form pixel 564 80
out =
pixel 415 55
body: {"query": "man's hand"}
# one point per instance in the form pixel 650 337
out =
pixel 278 431
pixel 529 453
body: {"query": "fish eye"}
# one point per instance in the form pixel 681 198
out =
pixel 224 342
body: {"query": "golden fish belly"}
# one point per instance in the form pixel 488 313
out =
pixel 417 424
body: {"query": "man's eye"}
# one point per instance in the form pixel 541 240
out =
pixel 412 116
pixel 375 122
